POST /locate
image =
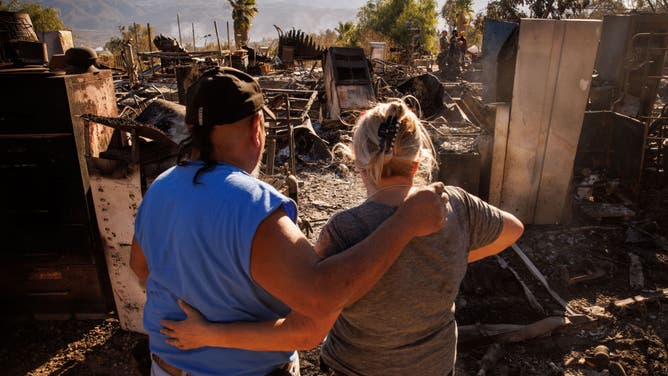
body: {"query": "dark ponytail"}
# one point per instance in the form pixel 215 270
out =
pixel 197 146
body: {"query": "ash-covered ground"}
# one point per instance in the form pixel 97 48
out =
pixel 636 335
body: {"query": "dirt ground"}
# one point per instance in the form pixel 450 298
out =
pixel 636 336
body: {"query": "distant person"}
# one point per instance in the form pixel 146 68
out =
pixel 405 325
pixel 453 50
pixel 443 41
pixel 463 46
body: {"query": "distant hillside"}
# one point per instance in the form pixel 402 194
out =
pixel 95 21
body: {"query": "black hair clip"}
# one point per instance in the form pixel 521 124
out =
pixel 386 133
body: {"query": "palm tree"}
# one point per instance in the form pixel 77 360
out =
pixel 243 12
pixel 345 31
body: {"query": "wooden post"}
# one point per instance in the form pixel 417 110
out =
pixel 194 48
pixel 178 23
pixel 148 33
pixel 137 45
pixel 271 154
pixel 134 24
pixel 220 49
pixel 130 66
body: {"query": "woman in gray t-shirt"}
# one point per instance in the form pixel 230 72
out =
pixel 405 323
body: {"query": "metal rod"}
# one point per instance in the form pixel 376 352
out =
pixel 653 117
pixel 179 54
pixel 533 302
pixel 215 26
pixel 291 134
pixel 534 270
pixel 639 35
pixel 229 43
pixel 290 91
pixel 150 43
pixel 193 25
pixel 178 23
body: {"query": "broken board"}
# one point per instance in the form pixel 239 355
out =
pixel 117 194
pixel 553 73
pixel 499 153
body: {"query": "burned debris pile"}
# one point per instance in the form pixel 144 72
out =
pixel 295 45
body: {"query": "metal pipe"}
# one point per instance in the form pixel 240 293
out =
pixel 215 26
pixel 178 23
pixel 150 42
pixel 291 135
pixel 638 35
pixel 194 48
pixel 229 43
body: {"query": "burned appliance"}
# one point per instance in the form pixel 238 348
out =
pixel 53 261
pixel 347 81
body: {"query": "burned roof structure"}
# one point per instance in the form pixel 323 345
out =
pixel 295 45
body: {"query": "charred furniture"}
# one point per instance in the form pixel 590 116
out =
pixel 52 257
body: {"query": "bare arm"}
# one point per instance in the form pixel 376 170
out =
pixel 283 261
pixel 294 332
pixel 138 262
pixel 512 230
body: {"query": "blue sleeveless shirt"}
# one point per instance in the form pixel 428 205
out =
pixel 197 242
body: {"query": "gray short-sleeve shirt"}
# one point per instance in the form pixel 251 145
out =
pixel 405 324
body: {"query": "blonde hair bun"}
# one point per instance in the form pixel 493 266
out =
pixel 410 142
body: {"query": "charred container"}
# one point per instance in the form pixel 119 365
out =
pixel 52 257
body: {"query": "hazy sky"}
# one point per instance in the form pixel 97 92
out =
pixel 477 4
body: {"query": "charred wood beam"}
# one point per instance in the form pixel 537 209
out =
pixel 640 299
pixel 534 270
pixel 533 302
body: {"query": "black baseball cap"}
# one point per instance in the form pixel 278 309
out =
pixel 223 95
